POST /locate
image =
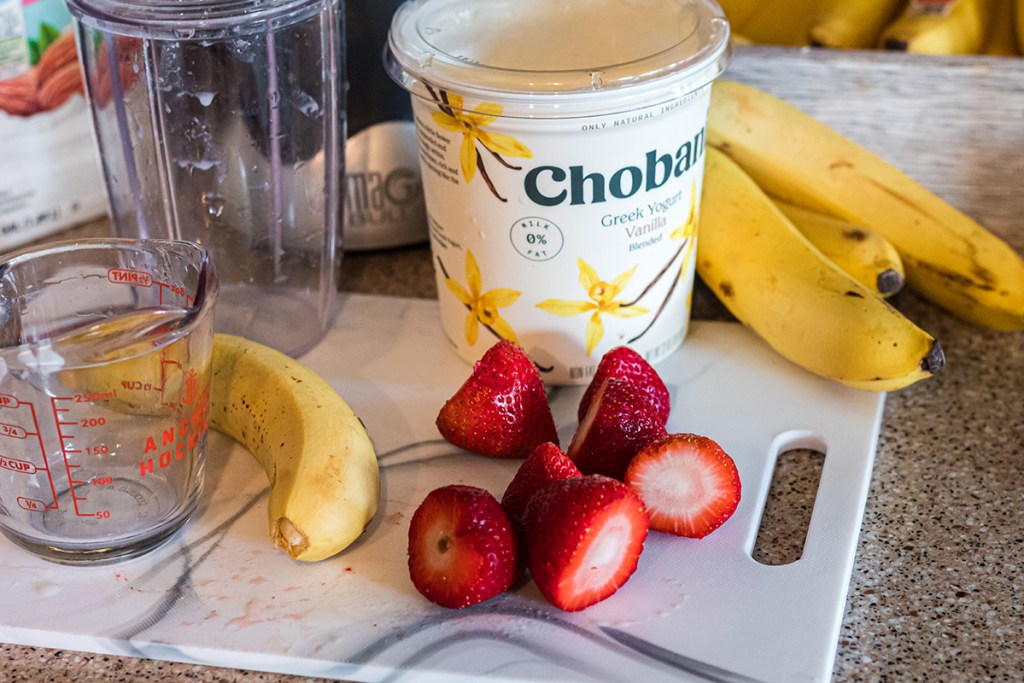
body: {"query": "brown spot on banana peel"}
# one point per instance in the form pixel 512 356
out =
pixel 726 289
pixel 855 235
pixel 957 278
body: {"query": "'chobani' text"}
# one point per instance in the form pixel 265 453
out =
pixel 553 185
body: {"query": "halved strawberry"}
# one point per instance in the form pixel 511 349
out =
pixel 545 464
pixel 688 483
pixel 619 422
pixel 625 363
pixel 462 549
pixel 583 538
pixel 501 410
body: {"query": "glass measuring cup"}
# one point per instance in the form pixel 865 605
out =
pixel 105 360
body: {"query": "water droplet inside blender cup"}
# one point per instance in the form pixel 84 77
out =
pixel 214 203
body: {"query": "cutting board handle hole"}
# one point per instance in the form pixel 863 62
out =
pixel 788 506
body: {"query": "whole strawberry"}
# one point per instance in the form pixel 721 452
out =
pixel 618 424
pixel 462 549
pixel 583 536
pixel 625 363
pixel 688 483
pixel 502 409
pixel 545 464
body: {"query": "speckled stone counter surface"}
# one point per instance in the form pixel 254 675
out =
pixel 936 593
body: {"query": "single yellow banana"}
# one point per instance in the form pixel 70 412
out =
pixel 779 22
pixel 782 287
pixel 852 24
pixel 863 254
pixel 948 257
pixel 1001 40
pixel 738 11
pixel 952 27
pixel 324 479
pixel 1018 22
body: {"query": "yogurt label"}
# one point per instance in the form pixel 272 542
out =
pixel 568 236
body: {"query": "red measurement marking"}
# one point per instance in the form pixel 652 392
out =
pixel 124 276
pixel 15 465
pixel 66 451
pixel 42 455
pixel 31 504
pixel 12 431
pixel 8 401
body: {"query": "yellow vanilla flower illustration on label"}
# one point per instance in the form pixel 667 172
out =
pixel 602 301
pixel 483 306
pixel 687 229
pixel 452 116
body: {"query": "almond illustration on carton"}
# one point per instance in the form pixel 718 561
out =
pixel 62 84
pixel 18 94
pixel 60 53
pixel 48 84
pixel 59 74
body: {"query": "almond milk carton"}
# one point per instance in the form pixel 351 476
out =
pixel 49 171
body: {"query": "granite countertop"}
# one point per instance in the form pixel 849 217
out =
pixel 935 592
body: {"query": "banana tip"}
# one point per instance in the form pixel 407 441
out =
pixel 290 538
pixel 889 281
pixel 934 360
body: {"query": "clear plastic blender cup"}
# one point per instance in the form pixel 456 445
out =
pixel 222 122
pixel 105 361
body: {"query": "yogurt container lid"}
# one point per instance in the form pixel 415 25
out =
pixel 558 58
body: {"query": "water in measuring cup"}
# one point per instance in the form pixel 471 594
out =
pixel 106 427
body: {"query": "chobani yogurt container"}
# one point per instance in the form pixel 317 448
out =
pixel 561 147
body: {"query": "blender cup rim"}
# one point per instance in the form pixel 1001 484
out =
pixel 418 58
pixel 192 19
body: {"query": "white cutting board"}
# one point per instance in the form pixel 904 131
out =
pixel 695 610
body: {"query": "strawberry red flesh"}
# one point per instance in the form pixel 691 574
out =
pixel 584 536
pixel 689 485
pixel 462 549
pixel 546 463
pixel 625 363
pixel 501 410
pixel 618 424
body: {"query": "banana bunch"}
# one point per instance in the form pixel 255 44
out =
pixel 772 22
pixel 948 258
pixel 847 24
pixel 779 284
pixel 992 27
pixel 955 27
pixel 851 24
pixel 773 173
pixel 324 479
